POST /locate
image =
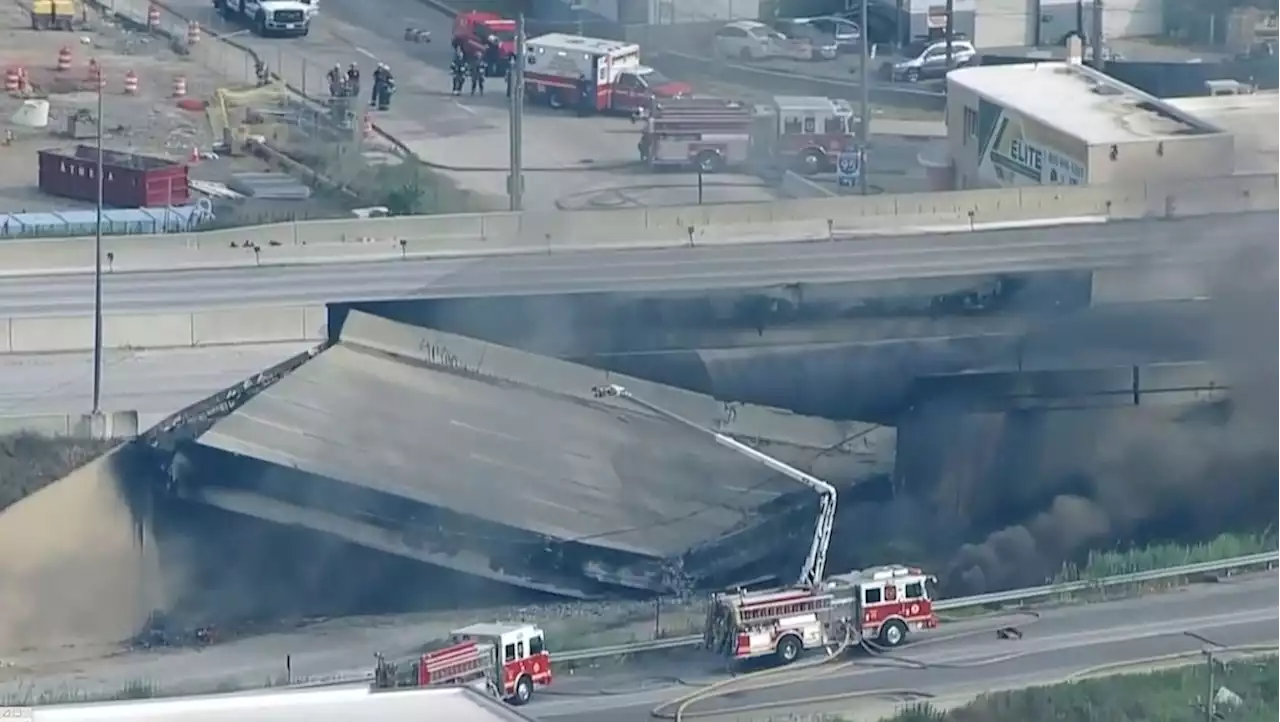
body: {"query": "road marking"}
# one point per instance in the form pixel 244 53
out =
pixel 469 110
pixel 366 53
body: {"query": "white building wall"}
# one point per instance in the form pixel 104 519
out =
pixel 669 12
pixel 1004 23
pixel 607 9
pixel 1132 18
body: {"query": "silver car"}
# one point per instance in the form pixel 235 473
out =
pixel 847 34
pixel 808 42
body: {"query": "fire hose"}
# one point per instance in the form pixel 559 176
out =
pixel 678 709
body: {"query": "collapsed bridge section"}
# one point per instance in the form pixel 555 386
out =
pixel 501 464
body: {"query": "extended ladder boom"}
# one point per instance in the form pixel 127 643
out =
pixel 815 564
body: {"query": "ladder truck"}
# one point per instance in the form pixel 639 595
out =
pixel 882 603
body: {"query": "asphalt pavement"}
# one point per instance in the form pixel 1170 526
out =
pixel 959 656
pixel 738 266
pixel 155 383
pixel 569 159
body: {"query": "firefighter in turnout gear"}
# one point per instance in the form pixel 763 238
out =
pixel 458 71
pixel 477 74
pixel 336 82
pixel 381 77
pixel 353 80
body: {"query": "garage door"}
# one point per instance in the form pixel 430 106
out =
pixel 1002 23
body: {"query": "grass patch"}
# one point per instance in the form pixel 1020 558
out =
pixel 1100 565
pixel 1176 695
pixel 30 462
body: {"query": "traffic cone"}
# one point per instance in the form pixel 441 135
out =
pixel 64 59
pixel 153 17
pixel 12 81
pixel 130 83
pixel 194 157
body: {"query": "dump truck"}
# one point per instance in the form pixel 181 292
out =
pixel 53 14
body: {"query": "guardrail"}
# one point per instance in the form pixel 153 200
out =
pixel 679 65
pixel 980 600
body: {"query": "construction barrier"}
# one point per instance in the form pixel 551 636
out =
pixel 193 33
pixel 131 83
pixel 13 80
pixel 153 18
pixel 179 86
pixel 64 59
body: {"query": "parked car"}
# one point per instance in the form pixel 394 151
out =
pixel 847 34
pixel 928 59
pixel 748 40
pixel 806 42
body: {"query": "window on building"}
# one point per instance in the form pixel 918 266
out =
pixel 970 123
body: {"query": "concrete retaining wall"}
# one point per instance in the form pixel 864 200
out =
pixel 356 240
pixel 164 330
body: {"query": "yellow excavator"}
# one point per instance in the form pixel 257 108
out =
pixel 53 14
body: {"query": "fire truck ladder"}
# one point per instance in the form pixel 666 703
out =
pixel 811 574
pixel 701 115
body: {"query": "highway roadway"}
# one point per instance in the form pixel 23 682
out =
pixel 960 657
pixel 913 257
pixel 155 383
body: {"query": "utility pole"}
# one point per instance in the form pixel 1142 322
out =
pixel 97 265
pixel 515 179
pixel 951 31
pixel 864 114
pixel 1095 37
pixel 1208 697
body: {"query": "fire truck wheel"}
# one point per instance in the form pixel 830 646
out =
pixel 709 161
pixel 788 649
pixel 811 162
pixel 554 99
pixel 892 634
pixel 524 691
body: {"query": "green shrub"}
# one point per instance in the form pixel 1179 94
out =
pixel 1162 556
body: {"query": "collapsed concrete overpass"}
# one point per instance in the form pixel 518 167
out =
pixel 478 458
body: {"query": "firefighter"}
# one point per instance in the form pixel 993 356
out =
pixel 380 75
pixel 477 74
pixel 492 56
pixel 336 81
pixel 386 89
pixel 458 71
pixel 584 104
pixel 353 80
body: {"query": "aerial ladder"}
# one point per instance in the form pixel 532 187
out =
pixel 815 564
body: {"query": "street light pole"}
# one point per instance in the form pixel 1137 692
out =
pixel 97 266
pixel 515 178
pixel 864 121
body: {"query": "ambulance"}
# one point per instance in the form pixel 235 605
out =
pixel 593 75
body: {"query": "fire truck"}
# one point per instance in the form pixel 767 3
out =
pixel 881 605
pixel 806 134
pixel 476 32
pixel 593 75
pixel 507 660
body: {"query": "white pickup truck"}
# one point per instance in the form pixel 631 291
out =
pixel 271 17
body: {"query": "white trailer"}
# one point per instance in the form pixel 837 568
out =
pixel 271 17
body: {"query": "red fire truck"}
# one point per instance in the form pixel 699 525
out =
pixel 806 134
pixel 881 605
pixel 508 660
pixel 561 70
pixel 475 32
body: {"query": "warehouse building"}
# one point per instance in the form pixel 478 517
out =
pixel 1064 123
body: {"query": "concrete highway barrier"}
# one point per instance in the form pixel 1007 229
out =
pixel 111 425
pixel 164 330
pixel 478 234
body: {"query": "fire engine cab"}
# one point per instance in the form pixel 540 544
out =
pixel 476 32
pixel 592 75
pixel 507 660
pixel 806 134
pixel 881 605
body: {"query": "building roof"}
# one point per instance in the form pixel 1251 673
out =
pixel 1080 102
pixel 442 434
pixel 1252 119
pixel 456 704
